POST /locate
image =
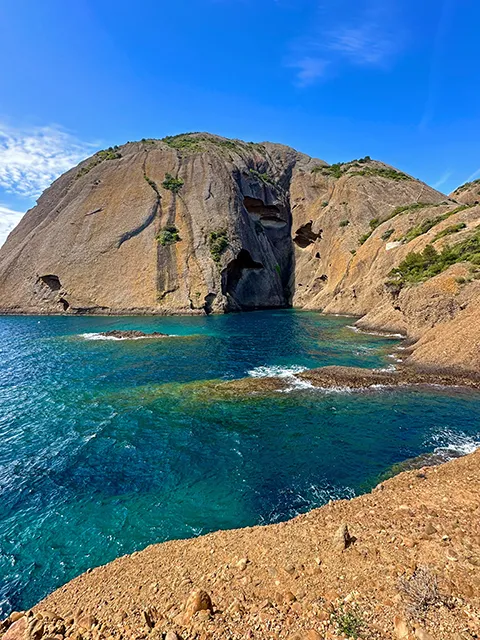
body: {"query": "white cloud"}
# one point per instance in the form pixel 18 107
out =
pixel 474 176
pixel 441 181
pixel 370 38
pixel 30 159
pixel 8 220
pixel 368 44
pixel 309 70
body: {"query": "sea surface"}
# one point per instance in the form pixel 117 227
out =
pixel 107 446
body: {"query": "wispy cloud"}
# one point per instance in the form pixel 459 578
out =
pixel 8 220
pixel 474 176
pixel 309 70
pixel 367 44
pixel 370 38
pixel 441 181
pixel 30 159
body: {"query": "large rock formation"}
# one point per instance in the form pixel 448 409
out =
pixel 197 224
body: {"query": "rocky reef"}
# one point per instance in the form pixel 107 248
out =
pixel 197 223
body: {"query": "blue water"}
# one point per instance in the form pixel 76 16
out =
pixel 108 446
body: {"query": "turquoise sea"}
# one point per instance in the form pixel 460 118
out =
pixel 107 446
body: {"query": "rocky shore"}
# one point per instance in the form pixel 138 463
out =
pixel 399 563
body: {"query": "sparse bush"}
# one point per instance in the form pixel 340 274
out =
pixel 111 153
pixel 420 593
pixel 325 203
pixel 152 183
pixel 168 235
pixel 218 241
pixel 453 228
pixel 344 223
pixel 374 223
pixel 460 280
pixel 264 177
pixel 388 234
pixel 172 184
pixel 383 172
pixel 365 237
pixel 349 622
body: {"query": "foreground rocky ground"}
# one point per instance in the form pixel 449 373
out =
pixel 400 562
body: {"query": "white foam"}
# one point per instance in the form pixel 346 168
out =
pixel 375 333
pixel 276 371
pixel 285 373
pixel 454 442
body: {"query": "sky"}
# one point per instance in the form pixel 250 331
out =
pixel 394 79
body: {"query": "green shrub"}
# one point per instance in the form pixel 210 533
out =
pixel 428 224
pixel 111 153
pixel 348 622
pixel 453 228
pixel 365 237
pixel 374 222
pixel 467 185
pixel 418 267
pixel 383 172
pixel 460 280
pixel 218 242
pixel 344 223
pixel 168 235
pixel 172 184
pixel 264 177
pixel 184 142
pixel 278 270
pixel 325 203
pixel 388 234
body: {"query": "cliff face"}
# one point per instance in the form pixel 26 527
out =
pixel 199 224
pixel 194 224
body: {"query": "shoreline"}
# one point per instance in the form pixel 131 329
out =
pixel 290 578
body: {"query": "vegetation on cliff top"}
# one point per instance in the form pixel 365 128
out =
pixel 111 153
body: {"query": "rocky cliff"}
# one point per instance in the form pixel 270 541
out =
pixel 197 223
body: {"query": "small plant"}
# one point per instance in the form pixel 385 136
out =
pixel 278 270
pixel 152 183
pixel 218 242
pixel 460 280
pixel 374 222
pixel 168 235
pixel 344 223
pixel 172 184
pixel 349 622
pixel 420 593
pixel 388 234
pixel 325 203
pixel 353 252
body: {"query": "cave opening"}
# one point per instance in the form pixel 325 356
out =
pixel 304 236
pixel 257 207
pixel 235 270
pixel 52 282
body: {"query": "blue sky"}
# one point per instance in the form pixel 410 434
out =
pixel 394 79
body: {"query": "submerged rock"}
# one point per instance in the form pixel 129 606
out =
pixel 132 334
